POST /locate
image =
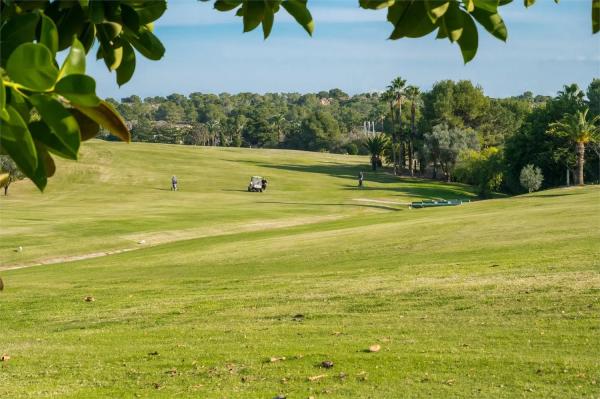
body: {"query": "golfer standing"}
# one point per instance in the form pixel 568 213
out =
pixel 173 183
pixel 361 177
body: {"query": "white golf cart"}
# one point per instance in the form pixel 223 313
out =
pixel 256 184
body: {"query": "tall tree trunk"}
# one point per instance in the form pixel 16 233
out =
pixel 393 136
pixel 6 188
pixel 580 162
pixel 411 170
pixel 413 112
pixel 402 155
pixel 401 147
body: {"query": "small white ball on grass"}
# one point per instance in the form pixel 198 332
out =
pixel 374 348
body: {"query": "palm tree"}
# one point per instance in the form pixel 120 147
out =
pixel 398 88
pixel 279 121
pixel 576 128
pixel 414 95
pixel 376 145
pixel 213 128
pixel 381 117
pixel 572 93
pixel 389 97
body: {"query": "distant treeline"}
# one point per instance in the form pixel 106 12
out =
pixel 513 131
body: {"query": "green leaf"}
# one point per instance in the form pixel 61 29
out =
pixel 468 41
pixel 18 102
pixel 18 30
pixel 2 95
pixel 45 159
pixel 150 11
pixel 396 11
pixel 109 118
pixel 44 168
pixel 442 33
pixel 469 5
pixel 60 121
pixel 32 66
pixel 78 89
pixel 96 12
pixel 43 134
pixel 436 8
pixel 111 30
pixel 87 127
pixel 16 140
pixel 528 3
pixel 595 16
pixel 253 14
pixel 486 5
pixel 4 178
pixel 49 35
pixel 453 22
pixel 268 19
pixel 414 22
pixel 147 44
pixel 70 21
pixel 130 18
pixel 492 22
pixel 127 67
pixel 75 61
pixel 376 4
pixel 298 10
pixel 87 36
pixel 112 11
pixel 227 5
pixel 111 54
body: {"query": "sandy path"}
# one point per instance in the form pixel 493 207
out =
pixel 151 239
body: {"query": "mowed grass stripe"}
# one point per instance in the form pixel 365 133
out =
pixel 494 299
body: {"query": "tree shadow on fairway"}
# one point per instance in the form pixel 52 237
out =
pixel 333 169
pixel 387 208
pixel 402 186
pixel 421 192
pixel 569 193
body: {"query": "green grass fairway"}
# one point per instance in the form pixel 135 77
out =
pixel 497 298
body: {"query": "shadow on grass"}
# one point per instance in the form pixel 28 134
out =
pixel 333 169
pixel 435 193
pixel 387 208
pixel 565 194
pixel 412 187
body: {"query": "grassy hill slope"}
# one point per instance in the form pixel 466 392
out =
pixel 119 194
pixel 496 298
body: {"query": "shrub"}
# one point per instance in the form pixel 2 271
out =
pixel 531 178
pixel 482 169
pixel 352 149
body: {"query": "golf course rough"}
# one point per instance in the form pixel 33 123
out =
pixel 497 298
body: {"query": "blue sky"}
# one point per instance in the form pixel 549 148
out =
pixel 549 45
